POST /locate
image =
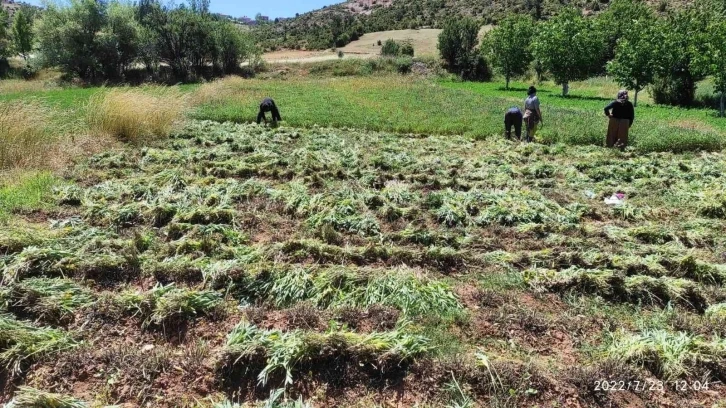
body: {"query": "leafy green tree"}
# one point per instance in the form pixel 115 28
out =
pixel 713 62
pixel 122 35
pixel 89 39
pixel 616 22
pixel 199 6
pixel 68 37
pixel 457 45
pixel 22 33
pixel 568 47
pixel 4 35
pixel 686 29
pixel 233 46
pixel 174 32
pixel 508 46
pixel 639 57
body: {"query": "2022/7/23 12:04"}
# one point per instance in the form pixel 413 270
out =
pixel 680 386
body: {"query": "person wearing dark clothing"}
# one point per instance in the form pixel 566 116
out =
pixel 268 105
pixel 513 118
pixel 622 115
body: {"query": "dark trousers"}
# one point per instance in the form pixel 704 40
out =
pixel 513 118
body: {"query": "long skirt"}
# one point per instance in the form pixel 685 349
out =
pixel 618 130
pixel 531 119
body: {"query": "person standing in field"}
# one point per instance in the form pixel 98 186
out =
pixel 622 115
pixel 513 118
pixel 532 113
pixel 268 105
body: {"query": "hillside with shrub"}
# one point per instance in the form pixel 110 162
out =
pixel 337 25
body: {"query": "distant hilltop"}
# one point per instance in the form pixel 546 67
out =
pixel 12 6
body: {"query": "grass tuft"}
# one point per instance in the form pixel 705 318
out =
pixel 49 299
pixel 667 355
pixel 283 351
pixel 27 397
pixel 25 135
pixel 164 304
pixel 21 342
pixel 136 115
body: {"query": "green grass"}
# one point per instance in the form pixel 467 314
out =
pixel 415 252
pixel 28 193
pixel 21 342
pixel 406 105
pixel 27 397
pixel 283 351
pixel 668 355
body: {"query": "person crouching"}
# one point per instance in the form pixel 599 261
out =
pixel 268 105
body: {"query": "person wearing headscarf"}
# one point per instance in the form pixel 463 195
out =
pixel 513 118
pixel 268 105
pixel 532 113
pixel 622 115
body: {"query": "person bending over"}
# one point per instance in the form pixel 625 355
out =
pixel 513 118
pixel 268 105
pixel 622 115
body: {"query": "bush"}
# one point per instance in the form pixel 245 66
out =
pixel 391 49
pixel 135 115
pixel 404 65
pixel 676 91
pixel 480 70
pixel 407 49
pixel 24 134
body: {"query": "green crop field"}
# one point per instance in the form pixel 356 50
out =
pixel 385 245
pixel 406 105
pixel 232 261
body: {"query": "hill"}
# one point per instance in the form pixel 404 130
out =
pixel 338 25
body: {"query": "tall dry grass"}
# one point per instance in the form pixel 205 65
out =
pixel 219 91
pixel 136 115
pixel 26 139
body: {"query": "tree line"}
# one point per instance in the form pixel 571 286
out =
pixel 638 47
pixel 97 41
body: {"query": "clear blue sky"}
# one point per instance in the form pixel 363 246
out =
pixel 272 8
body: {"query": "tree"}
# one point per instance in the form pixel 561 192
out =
pixel 568 47
pixel 457 45
pixel 4 36
pixel 639 57
pixel 199 6
pixel 22 31
pixel 508 46
pixel 67 37
pixel 686 29
pixel 177 33
pixel 234 46
pixel 713 62
pixel 122 39
pixel 617 22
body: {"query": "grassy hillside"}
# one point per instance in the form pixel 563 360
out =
pixel 339 24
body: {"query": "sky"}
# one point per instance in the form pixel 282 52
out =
pixel 271 8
